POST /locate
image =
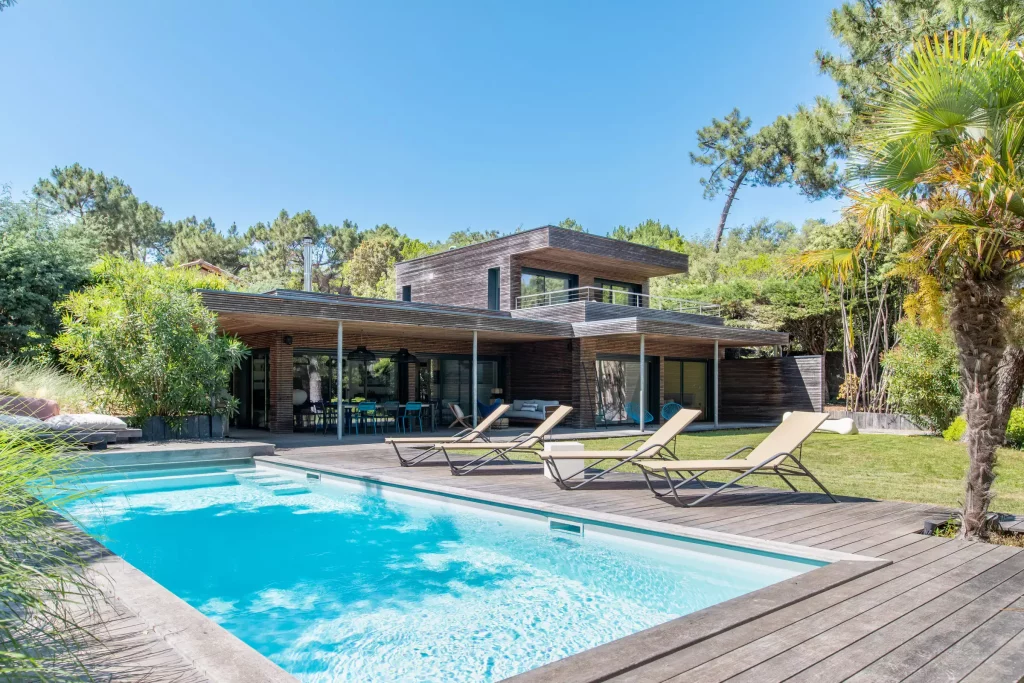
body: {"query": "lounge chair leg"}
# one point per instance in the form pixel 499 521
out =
pixel 815 480
pixel 722 487
pixel 783 478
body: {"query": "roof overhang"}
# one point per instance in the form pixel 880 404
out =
pixel 243 313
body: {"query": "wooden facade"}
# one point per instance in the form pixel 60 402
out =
pixel 460 276
pixel 548 352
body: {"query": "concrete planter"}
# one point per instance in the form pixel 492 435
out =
pixel 884 421
pixel 191 427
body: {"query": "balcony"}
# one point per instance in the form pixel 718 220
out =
pixel 605 296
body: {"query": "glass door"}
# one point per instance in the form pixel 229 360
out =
pixel 249 384
pixel 686 383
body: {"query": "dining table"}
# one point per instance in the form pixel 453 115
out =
pixel 350 409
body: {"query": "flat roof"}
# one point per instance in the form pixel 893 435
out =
pixel 561 243
pixel 289 310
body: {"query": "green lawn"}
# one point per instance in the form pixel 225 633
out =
pixel 920 469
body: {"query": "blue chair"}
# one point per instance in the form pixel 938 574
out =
pixel 367 410
pixel 633 413
pixel 483 411
pixel 412 411
pixel 670 409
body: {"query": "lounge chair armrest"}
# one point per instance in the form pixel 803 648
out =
pixel 633 442
pixel 654 451
pixel 735 453
pixel 522 436
pixel 777 455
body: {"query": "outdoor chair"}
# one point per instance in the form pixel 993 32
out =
pixel 778 454
pixel 633 413
pixel 525 442
pixel 670 409
pixel 413 411
pixel 460 417
pixel 429 443
pixel 655 446
pixel 366 410
pixel 391 410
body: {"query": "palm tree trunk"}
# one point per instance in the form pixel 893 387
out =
pixel 1011 380
pixel 728 205
pixel 976 316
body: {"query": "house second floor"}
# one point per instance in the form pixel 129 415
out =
pixel 547 273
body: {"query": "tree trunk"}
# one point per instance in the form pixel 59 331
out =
pixel 728 205
pixel 1011 380
pixel 976 316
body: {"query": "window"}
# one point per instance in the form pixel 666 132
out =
pixel 622 293
pixel 406 292
pixel 686 383
pixel 494 289
pixel 543 287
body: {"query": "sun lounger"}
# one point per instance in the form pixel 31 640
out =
pixel 429 443
pixel 654 446
pixel 778 454
pixel 526 441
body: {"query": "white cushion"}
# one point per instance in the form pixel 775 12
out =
pixel 19 421
pixel 93 421
pixel 529 407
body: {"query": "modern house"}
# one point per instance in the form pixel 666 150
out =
pixel 548 314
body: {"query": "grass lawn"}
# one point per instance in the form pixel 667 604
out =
pixel 919 469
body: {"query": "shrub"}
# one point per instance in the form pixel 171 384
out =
pixel 924 376
pixel 44 381
pixel 955 430
pixel 47 595
pixel 142 334
pixel 1015 428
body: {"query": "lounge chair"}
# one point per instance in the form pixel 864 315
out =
pixel 778 454
pixel 525 442
pixel 429 443
pixel 460 417
pixel 655 446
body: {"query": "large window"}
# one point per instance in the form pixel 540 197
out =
pixel 622 293
pixel 456 385
pixel 543 287
pixel 618 390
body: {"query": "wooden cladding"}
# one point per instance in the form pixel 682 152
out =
pixel 460 276
pixel 762 389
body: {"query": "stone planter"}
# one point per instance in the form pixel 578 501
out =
pixel 191 427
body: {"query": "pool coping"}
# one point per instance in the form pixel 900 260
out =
pixel 565 511
pixel 210 648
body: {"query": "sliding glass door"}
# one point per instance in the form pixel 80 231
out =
pixel 686 383
pixel 618 390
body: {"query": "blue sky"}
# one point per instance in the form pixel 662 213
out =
pixel 432 116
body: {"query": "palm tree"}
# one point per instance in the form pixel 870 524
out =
pixel 941 157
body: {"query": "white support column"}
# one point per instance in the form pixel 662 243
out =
pixel 643 381
pixel 474 378
pixel 716 383
pixel 341 375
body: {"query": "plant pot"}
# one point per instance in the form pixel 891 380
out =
pixel 159 428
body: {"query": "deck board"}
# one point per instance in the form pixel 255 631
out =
pixel 944 610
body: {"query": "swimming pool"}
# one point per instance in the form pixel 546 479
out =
pixel 342 579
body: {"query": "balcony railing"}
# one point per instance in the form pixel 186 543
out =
pixel 607 296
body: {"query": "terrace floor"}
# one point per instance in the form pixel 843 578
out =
pixel 942 610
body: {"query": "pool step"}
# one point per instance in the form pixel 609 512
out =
pixel 291 489
pixel 275 483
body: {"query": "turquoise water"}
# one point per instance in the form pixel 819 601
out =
pixel 350 583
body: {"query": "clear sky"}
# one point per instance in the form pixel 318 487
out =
pixel 430 115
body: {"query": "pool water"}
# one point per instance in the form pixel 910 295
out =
pixel 344 581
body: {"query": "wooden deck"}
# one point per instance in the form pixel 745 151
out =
pixel 943 610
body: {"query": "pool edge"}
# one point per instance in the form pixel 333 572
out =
pixel 660 528
pixel 213 650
